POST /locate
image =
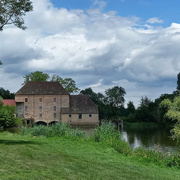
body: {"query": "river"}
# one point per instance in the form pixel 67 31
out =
pixel 157 138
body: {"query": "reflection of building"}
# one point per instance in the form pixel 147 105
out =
pixel 49 102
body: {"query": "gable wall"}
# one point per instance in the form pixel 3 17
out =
pixel 32 107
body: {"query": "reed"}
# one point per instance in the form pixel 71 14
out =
pixel 57 130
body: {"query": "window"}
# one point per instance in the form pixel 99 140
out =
pixel 80 116
pixel 69 115
pixel 26 108
pixel 54 115
pixel 54 100
pixel 40 115
pixel 40 99
pixel 26 99
pixel 40 108
pixel 54 108
pixel 90 115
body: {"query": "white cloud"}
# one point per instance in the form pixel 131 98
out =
pixel 97 49
pixel 154 20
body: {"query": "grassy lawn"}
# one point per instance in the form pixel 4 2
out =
pixel 40 158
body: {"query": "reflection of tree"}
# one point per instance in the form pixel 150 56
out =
pixel 150 137
pixel 130 138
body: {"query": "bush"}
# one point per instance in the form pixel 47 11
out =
pixel 7 116
pixel 56 130
pixel 107 134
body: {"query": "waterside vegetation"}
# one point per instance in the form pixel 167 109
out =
pixel 39 154
pixel 107 135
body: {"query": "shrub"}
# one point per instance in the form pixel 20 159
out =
pixel 56 130
pixel 107 134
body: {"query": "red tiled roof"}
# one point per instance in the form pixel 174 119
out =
pixel 9 102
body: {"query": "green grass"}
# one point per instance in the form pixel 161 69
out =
pixel 41 158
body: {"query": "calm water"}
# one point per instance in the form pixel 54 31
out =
pixel 158 138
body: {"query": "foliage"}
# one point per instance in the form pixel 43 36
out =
pixel 107 110
pixel 12 12
pixel 1 100
pixel 115 96
pixel 56 130
pixel 36 76
pixel 7 116
pixel 107 134
pixel 130 107
pixel 5 94
pixel 178 81
pixel 68 83
pixel 174 114
pixel 0 63
pixel 96 98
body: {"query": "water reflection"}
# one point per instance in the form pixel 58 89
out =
pixel 158 138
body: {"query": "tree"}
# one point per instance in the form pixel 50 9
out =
pixel 178 82
pixel 92 95
pixel 5 94
pixel 146 110
pixel 130 107
pixel 7 118
pixel 12 12
pixel 36 76
pixel 174 114
pixel 115 96
pixel 0 63
pixel 68 83
pixel 98 99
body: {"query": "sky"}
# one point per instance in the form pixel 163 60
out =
pixel 134 44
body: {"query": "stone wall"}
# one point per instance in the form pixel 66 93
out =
pixel 45 108
pixel 81 119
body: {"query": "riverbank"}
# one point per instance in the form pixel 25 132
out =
pixel 146 125
pixel 27 157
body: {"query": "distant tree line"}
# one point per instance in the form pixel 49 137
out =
pixel 111 105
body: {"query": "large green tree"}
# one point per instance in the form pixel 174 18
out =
pixel 36 76
pixel 115 96
pixel 7 118
pixel 6 94
pixel 130 108
pixel 68 83
pixel 174 114
pixel 12 12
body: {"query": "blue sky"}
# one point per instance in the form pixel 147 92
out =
pixel 166 10
pixel 100 44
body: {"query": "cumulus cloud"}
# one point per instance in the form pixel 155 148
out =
pixel 154 20
pixel 97 49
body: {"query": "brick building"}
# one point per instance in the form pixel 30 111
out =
pixel 49 102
